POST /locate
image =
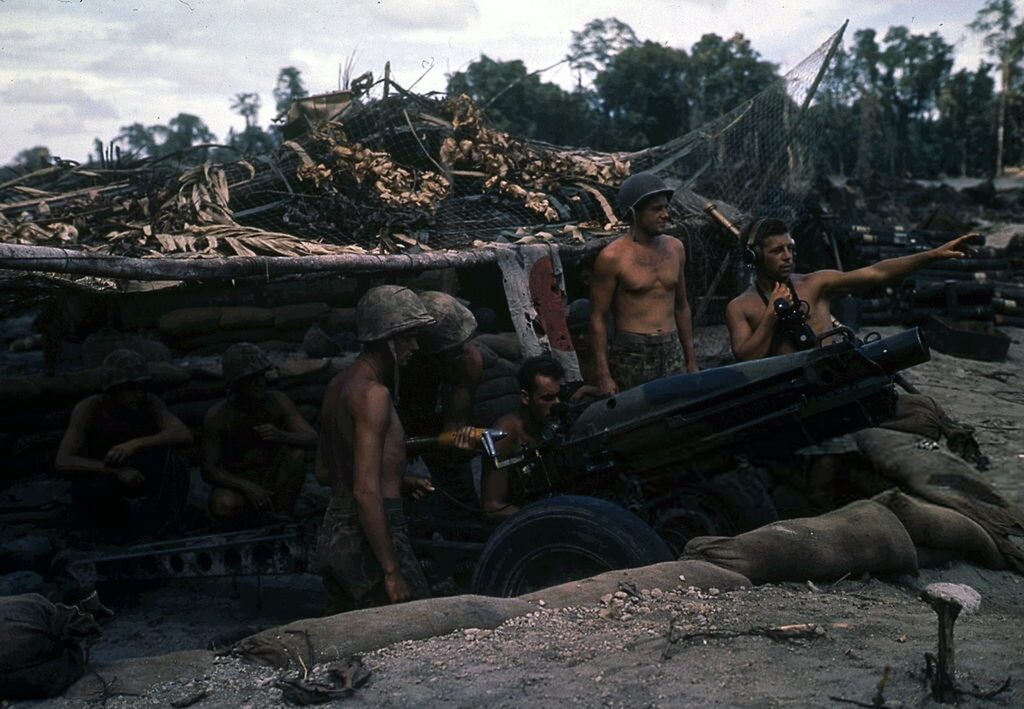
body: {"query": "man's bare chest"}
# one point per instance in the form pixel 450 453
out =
pixel 645 269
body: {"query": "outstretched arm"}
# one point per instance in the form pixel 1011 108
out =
pixel 602 289
pixel 684 320
pixel 889 270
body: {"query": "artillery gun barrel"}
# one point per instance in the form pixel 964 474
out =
pixel 785 402
pixel 897 352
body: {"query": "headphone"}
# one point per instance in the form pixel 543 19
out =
pixel 751 251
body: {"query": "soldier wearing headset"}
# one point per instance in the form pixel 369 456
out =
pixel 755 317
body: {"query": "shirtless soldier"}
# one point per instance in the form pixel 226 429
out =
pixel 255 443
pixel 540 384
pixel 639 278
pixel 751 317
pixel 365 553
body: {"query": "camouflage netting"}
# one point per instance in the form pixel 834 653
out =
pixel 399 172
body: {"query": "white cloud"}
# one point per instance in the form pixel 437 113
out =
pixel 426 14
pixel 43 93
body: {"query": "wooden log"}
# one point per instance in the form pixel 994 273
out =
pixel 47 259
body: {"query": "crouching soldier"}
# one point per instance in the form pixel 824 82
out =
pixel 540 386
pixel 364 549
pixel 127 479
pixel 255 445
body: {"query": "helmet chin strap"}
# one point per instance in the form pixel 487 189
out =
pixel 394 364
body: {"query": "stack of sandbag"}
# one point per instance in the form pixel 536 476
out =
pixel 303 380
pixel 43 647
pixel 941 534
pixel 935 475
pixel 862 538
pixel 210 330
pixel 498 392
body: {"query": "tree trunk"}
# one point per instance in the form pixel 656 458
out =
pixel 1001 126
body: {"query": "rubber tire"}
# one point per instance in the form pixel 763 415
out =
pixel 528 552
pixel 721 506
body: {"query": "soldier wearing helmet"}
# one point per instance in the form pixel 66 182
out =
pixel 639 279
pixel 254 444
pixel 448 368
pixel 126 479
pixel 364 549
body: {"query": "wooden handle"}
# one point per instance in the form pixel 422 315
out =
pixel 722 220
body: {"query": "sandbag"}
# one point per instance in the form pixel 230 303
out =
pixel 99 344
pixel 42 651
pixel 340 319
pixel 665 576
pixel 919 414
pixel 861 538
pixel 503 344
pixel 217 342
pixel 337 636
pixel 246 318
pixel 190 322
pixel 301 315
pixel 941 529
pixel 485 413
pixel 942 478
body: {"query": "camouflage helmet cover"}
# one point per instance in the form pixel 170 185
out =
pixel 243 359
pixel 453 322
pixel 638 187
pixel 386 311
pixel 124 367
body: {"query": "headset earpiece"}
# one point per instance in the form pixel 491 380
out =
pixel 750 250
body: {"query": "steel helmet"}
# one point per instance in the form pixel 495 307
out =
pixel 386 311
pixel 124 367
pixel 453 323
pixel 243 359
pixel 638 187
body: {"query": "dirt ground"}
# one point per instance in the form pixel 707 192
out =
pixel 618 653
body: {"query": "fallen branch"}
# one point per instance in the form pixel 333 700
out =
pixel 807 631
pixel 46 259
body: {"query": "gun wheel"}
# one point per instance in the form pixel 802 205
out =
pixel 725 505
pixel 563 539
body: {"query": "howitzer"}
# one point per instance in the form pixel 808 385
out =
pixel 628 480
pixel 778 403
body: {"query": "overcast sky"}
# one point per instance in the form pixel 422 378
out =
pixel 73 70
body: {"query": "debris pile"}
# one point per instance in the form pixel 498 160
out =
pixel 381 176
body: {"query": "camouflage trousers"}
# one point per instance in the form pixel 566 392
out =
pixel 352 575
pixel 637 359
